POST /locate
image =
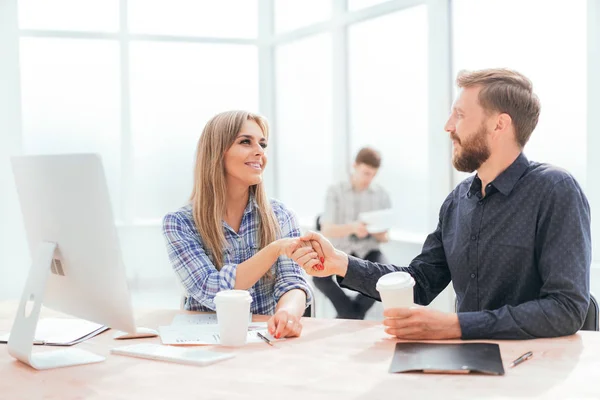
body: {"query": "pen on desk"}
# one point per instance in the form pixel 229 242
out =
pixel 519 360
pixel 260 335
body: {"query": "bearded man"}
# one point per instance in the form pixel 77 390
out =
pixel 514 239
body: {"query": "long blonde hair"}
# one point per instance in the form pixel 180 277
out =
pixel 210 191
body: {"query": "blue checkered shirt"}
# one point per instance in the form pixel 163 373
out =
pixel 203 281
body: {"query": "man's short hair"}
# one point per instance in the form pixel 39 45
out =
pixel 506 91
pixel 368 156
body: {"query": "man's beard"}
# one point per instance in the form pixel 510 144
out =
pixel 473 152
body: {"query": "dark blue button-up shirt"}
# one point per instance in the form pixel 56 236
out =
pixel 519 258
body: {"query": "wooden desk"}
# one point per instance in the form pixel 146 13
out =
pixel 333 359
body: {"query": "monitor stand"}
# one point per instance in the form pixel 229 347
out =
pixel 22 335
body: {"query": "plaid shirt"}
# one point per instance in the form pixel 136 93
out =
pixel 203 281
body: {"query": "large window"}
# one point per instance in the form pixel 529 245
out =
pixel 358 4
pixel 71 101
pixel 136 80
pixel 175 89
pixel 69 15
pixel 388 107
pixel 294 14
pixel 304 128
pixel 209 18
pixel 138 92
pixel 550 50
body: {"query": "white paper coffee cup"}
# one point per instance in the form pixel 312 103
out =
pixel 396 290
pixel 233 308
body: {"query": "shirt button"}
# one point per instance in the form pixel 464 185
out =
pixel 472 275
pixel 473 237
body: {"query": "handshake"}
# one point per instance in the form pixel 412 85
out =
pixel 315 254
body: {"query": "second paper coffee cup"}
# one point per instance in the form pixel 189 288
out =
pixel 396 290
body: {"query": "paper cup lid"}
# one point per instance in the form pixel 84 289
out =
pixel 395 280
pixel 233 296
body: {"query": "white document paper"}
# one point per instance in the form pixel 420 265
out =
pixel 377 221
pixel 203 334
pixel 194 319
pixel 63 331
pixel 208 319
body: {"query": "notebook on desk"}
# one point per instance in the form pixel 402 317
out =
pixel 204 334
pixel 447 358
pixel 62 331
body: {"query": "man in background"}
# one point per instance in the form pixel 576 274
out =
pixel 340 222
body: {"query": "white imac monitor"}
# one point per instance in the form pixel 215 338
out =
pixel 76 259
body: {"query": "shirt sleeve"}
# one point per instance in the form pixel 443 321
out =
pixel 195 270
pixel 385 200
pixel 288 274
pixel 332 203
pixel 563 246
pixel 429 269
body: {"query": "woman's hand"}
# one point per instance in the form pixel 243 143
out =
pixel 284 324
pixel 328 261
pixel 288 246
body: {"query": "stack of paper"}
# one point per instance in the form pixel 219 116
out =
pixel 209 319
pixel 62 331
pixel 203 329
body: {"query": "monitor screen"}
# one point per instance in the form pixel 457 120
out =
pixel 64 200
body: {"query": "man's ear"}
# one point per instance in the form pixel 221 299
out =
pixel 503 122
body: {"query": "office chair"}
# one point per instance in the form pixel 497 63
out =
pixel 310 310
pixel 591 322
pixel 592 318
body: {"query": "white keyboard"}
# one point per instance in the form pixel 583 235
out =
pixel 180 355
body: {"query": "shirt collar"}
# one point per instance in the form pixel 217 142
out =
pixel 348 187
pixel 252 204
pixel 506 181
pixel 250 207
pixel 475 187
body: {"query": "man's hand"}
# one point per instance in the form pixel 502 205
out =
pixel 421 323
pixel 322 252
pixel 381 237
pixel 360 230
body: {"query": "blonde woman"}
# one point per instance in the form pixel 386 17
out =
pixel 231 236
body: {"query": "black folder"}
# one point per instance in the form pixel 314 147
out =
pixel 447 358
